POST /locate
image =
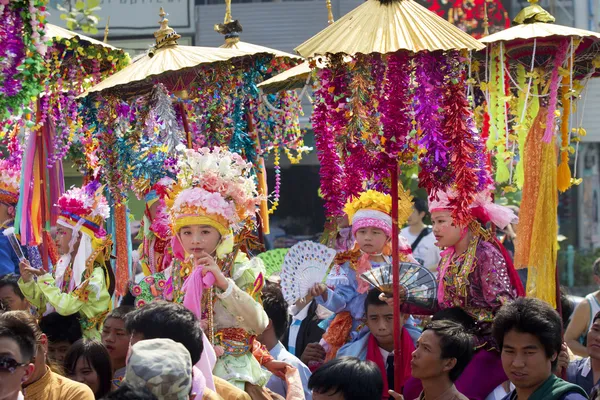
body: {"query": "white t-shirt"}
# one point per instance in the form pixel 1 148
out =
pixel 427 253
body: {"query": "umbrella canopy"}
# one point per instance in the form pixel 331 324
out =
pixel 56 32
pixel 386 26
pixel 166 60
pixel 537 36
pixel 293 78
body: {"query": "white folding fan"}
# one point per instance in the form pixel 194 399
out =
pixel 416 282
pixel 305 264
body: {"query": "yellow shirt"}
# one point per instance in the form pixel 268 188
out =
pixel 52 386
pixel 228 391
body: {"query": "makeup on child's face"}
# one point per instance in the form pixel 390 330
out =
pixel 62 239
pixel 371 240
pixel 446 233
pixel 198 239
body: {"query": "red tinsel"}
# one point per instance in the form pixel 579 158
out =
pixel 462 151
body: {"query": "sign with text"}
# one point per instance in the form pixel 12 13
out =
pixel 132 17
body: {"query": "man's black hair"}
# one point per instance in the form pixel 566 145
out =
pixel 353 378
pixel 596 317
pixel 421 206
pixel 129 392
pixel 164 320
pixel 61 328
pixel 12 280
pixel 276 308
pixel 120 312
pixel 455 342
pixel 97 357
pixel 20 332
pixel 533 316
pixel 455 314
pixel 596 267
pixel 373 299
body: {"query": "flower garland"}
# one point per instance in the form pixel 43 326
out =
pixel 22 50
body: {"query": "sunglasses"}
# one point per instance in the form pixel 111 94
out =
pixel 8 364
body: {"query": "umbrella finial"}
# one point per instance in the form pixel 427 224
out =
pixel 533 13
pixel 106 30
pixel 166 35
pixel 486 20
pixel 330 19
pixel 230 27
pixel 228 17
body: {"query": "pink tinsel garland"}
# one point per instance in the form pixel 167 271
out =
pixel 561 55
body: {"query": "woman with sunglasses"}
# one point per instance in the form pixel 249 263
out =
pixel 17 348
pixel 43 383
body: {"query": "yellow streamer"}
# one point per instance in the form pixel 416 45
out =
pixel 564 171
pixel 537 230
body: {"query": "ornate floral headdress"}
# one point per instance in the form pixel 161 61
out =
pixel 10 179
pixel 373 209
pixel 482 208
pixel 217 190
pixel 84 210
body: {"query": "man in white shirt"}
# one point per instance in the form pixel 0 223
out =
pixel 277 309
pixel 421 237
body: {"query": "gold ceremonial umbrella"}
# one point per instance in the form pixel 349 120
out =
pixel 537 25
pixel 166 60
pixel 386 26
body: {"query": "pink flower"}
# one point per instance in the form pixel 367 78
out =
pixel 210 182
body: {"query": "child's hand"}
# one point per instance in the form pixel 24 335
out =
pixel 27 271
pixel 209 265
pixel 390 300
pixel 277 368
pixel 313 352
pixel 319 289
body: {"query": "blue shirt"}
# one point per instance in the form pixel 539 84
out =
pixel 9 262
pixel 580 373
pixel 276 384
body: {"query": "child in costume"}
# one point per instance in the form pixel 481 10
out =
pixel 155 230
pixel 208 275
pixel 82 282
pixel 344 292
pixel 476 274
pixel 10 177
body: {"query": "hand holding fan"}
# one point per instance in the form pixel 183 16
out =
pixel 417 284
pixel 273 260
pixel 305 264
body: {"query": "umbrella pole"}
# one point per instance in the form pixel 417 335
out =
pixel 186 126
pixel 396 276
pixel 261 175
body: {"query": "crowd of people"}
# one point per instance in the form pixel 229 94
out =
pixel 205 323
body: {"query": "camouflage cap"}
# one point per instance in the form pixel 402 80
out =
pixel 161 365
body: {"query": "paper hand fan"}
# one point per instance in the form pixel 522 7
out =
pixel 417 284
pixel 305 264
pixel 273 260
